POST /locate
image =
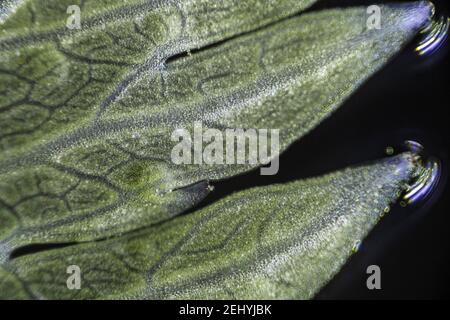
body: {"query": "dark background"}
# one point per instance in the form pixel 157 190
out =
pixel 407 100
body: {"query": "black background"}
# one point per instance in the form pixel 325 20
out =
pixel 407 100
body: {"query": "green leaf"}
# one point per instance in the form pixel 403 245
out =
pixel 279 241
pixel 86 118
pixel 87 115
pixel 67 175
pixel 65 76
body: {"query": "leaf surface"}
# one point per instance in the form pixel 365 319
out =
pixel 272 242
pixel 86 123
pixel 86 118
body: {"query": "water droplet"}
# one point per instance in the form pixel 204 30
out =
pixel 426 177
pixel 435 35
pixel 385 211
pixel 389 151
pixel 413 146
pixel 426 181
pixel 356 246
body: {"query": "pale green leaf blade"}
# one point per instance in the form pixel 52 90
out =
pixel 279 241
pixel 63 77
pixel 115 173
pixel 54 80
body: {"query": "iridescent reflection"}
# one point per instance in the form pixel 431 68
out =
pixel 424 185
pixel 435 36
